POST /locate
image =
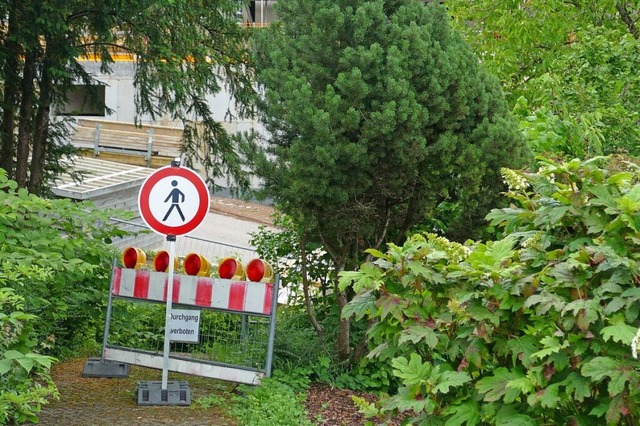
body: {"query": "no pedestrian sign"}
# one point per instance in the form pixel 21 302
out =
pixel 173 200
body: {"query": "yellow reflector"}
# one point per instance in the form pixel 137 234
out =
pixel 195 264
pixel 161 261
pixel 259 271
pixel 133 258
pixel 230 269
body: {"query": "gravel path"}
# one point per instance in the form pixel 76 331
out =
pixel 113 402
pixel 98 401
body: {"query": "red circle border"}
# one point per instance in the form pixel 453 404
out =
pixel 145 193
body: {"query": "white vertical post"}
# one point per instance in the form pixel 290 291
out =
pixel 149 146
pixel 165 357
pixel 261 13
pixel 96 141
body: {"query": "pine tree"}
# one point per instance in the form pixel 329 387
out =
pixel 378 114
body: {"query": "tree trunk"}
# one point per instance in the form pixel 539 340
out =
pixel 344 348
pixel 10 77
pixel 363 346
pixel 41 130
pixel 339 258
pixel 628 19
pixel 305 287
pixel 25 122
pixel 408 217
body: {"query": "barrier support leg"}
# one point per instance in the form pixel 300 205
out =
pixel 272 326
pixel 100 367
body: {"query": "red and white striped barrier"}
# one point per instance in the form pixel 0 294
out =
pixel 204 292
pixel 194 367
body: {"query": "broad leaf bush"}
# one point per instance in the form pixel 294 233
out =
pixel 533 328
pixel 25 383
pixel 56 255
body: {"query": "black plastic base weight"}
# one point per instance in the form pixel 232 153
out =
pixel 151 393
pixel 94 367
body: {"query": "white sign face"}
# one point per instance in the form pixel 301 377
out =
pixel 174 200
pixel 184 325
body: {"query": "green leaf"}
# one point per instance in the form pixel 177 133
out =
pixel 496 387
pixel 451 379
pixel 480 313
pixel 362 305
pixel 545 301
pixel 391 304
pixel 413 371
pixel 418 333
pixel 618 405
pixel 601 409
pixel 551 216
pixel 522 348
pixel 406 400
pixel 509 416
pixel 603 196
pixel 360 280
pixel 523 385
pixel 467 413
pixel 376 253
pixel 12 354
pixel 599 367
pixel 547 398
pixel 492 254
pixel 577 386
pixel 5 366
pixel 551 345
pixel 619 373
pixel 377 350
pixel 43 360
pixel 26 363
pixel 619 331
pixel 615 305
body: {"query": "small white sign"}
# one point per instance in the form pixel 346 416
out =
pixel 184 325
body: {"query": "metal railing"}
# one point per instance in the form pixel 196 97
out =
pixel 150 241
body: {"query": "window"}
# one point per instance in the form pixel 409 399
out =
pixel 85 100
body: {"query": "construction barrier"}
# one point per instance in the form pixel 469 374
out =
pixel 220 328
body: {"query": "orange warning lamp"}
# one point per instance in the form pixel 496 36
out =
pixel 259 271
pixel 133 258
pixel 161 261
pixel 230 269
pixel 195 264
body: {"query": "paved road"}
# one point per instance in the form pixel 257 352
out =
pixel 226 229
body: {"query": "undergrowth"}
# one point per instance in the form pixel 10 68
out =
pixel 272 403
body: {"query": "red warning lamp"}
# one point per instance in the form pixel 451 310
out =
pixel 195 264
pixel 230 269
pixel 133 258
pixel 259 271
pixel 161 262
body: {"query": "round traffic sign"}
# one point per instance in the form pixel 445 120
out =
pixel 173 200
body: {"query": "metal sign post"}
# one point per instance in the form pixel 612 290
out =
pixel 167 340
pixel 172 201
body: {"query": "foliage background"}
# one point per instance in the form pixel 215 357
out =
pixel 54 273
pixel 533 327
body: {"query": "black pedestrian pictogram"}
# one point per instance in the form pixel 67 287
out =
pixel 174 195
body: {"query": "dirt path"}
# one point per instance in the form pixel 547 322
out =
pixel 113 402
pixel 91 401
pixel 254 212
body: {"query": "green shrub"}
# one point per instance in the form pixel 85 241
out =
pixel 25 383
pixel 271 403
pixel 296 345
pixel 56 255
pixel 534 328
